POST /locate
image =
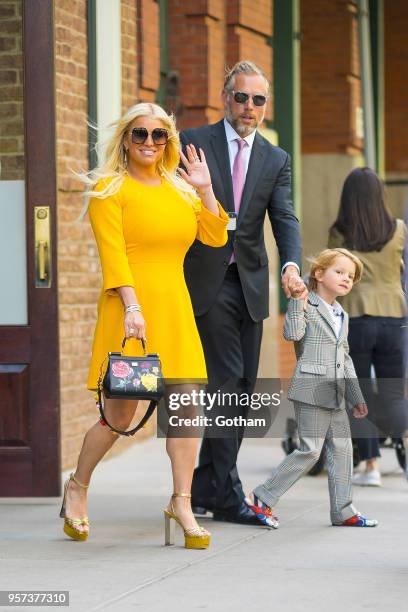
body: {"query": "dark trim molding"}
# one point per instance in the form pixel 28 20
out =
pixel 92 81
pixel 41 189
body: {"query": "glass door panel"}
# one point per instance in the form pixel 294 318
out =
pixel 13 247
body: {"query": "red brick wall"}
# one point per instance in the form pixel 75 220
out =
pixel 196 43
pixel 396 86
pixel 148 41
pixel 248 31
pixel 330 77
pixel 77 262
pixel 129 54
pixel 205 37
pixel 11 91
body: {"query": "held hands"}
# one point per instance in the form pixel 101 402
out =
pixel 196 174
pixel 135 326
pixel 293 285
pixel 360 411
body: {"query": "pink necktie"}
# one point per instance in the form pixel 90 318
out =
pixel 238 179
pixel 238 173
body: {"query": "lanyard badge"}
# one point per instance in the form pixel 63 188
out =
pixel 232 224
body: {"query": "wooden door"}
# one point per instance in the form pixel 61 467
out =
pixel 29 386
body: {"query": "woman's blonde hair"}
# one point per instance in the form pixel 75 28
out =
pixel 115 164
pixel 326 258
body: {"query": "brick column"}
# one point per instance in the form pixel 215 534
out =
pixel 148 44
pixel 330 72
pixel 196 43
pixel 77 255
pixel 248 34
pixel 129 54
pixel 331 117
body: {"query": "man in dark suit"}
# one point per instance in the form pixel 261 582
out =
pixel 229 286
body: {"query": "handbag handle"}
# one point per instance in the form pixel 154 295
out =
pixel 141 340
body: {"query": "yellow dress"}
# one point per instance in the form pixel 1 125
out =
pixel 143 234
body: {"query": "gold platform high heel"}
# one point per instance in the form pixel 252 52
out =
pixel 71 524
pixel 197 537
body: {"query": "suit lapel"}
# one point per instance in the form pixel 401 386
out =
pixel 323 311
pixel 220 150
pixel 254 170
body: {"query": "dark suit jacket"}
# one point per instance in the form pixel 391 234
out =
pixel 267 189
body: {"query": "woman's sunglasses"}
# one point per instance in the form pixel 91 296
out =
pixel 160 136
pixel 240 98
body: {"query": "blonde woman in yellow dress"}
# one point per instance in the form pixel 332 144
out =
pixel 145 214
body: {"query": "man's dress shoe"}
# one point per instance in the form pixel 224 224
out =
pixel 200 510
pixel 202 506
pixel 243 515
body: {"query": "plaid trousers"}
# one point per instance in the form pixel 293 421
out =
pixel 315 427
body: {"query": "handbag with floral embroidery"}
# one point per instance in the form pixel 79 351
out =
pixel 132 378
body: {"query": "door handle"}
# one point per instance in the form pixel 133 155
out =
pixel 42 239
pixel 42 255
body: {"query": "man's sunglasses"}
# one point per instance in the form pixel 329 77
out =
pixel 160 136
pixel 240 98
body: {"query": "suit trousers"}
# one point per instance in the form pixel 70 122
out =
pixel 315 427
pixel 231 341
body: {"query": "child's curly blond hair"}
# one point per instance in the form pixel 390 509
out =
pixel 325 259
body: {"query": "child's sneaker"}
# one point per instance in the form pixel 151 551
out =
pixel 263 512
pixel 358 520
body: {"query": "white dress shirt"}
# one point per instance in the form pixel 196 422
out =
pixel 231 136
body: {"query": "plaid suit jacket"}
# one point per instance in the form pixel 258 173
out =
pixel 324 373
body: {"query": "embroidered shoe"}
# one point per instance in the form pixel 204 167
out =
pixel 358 520
pixel 263 512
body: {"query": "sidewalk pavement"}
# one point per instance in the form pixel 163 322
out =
pixel 303 566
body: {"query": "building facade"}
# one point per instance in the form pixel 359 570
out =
pixel 69 63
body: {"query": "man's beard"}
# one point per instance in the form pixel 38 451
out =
pixel 240 128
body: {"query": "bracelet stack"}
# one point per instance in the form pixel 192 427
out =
pixel 133 308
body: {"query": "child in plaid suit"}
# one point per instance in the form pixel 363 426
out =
pixel 323 378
